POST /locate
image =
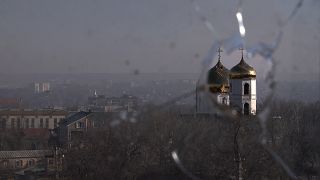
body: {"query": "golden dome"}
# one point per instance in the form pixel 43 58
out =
pixel 242 70
pixel 218 78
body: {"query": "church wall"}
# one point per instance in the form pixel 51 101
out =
pixel 253 106
pixel 253 92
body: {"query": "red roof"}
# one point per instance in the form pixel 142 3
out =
pixel 8 101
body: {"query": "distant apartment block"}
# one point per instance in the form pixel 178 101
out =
pixel 41 87
pixel 31 118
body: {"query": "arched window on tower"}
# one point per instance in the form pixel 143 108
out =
pixel 246 89
pixel 246 109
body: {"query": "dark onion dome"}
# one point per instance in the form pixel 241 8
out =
pixel 218 79
pixel 242 70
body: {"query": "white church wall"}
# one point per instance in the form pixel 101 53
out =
pixel 253 90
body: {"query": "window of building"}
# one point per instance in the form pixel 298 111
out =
pixel 79 125
pixel 31 162
pixel 27 123
pixel 3 124
pixel 41 123
pixel 47 123
pixel 224 100
pixel 18 123
pixel 246 89
pixel 96 124
pixel 246 109
pixel 12 123
pixel 19 163
pixel 33 146
pixel 55 122
pixel 5 164
pixel 32 123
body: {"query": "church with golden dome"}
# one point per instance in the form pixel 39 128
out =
pixel 236 87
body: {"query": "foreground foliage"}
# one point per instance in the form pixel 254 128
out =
pixel 209 147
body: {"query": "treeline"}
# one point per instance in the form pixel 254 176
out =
pixel 208 146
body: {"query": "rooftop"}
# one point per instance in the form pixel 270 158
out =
pixel 25 154
pixel 33 112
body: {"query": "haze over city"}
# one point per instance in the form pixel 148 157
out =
pixel 149 36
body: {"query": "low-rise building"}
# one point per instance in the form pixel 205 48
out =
pixel 31 118
pixel 72 130
pixel 21 163
pixel 22 129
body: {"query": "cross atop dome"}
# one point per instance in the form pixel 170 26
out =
pixel 219 51
pixel 241 49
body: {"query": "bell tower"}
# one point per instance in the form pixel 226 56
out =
pixel 243 88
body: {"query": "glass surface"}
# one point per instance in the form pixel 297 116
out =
pixel 125 86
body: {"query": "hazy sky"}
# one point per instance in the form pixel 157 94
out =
pixel 108 36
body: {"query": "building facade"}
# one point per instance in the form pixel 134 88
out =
pixel 20 164
pixel 72 130
pixel 31 118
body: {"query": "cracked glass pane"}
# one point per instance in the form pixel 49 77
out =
pixel 165 89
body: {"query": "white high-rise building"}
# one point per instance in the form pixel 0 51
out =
pixel 36 87
pixel 45 87
pixel 41 87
